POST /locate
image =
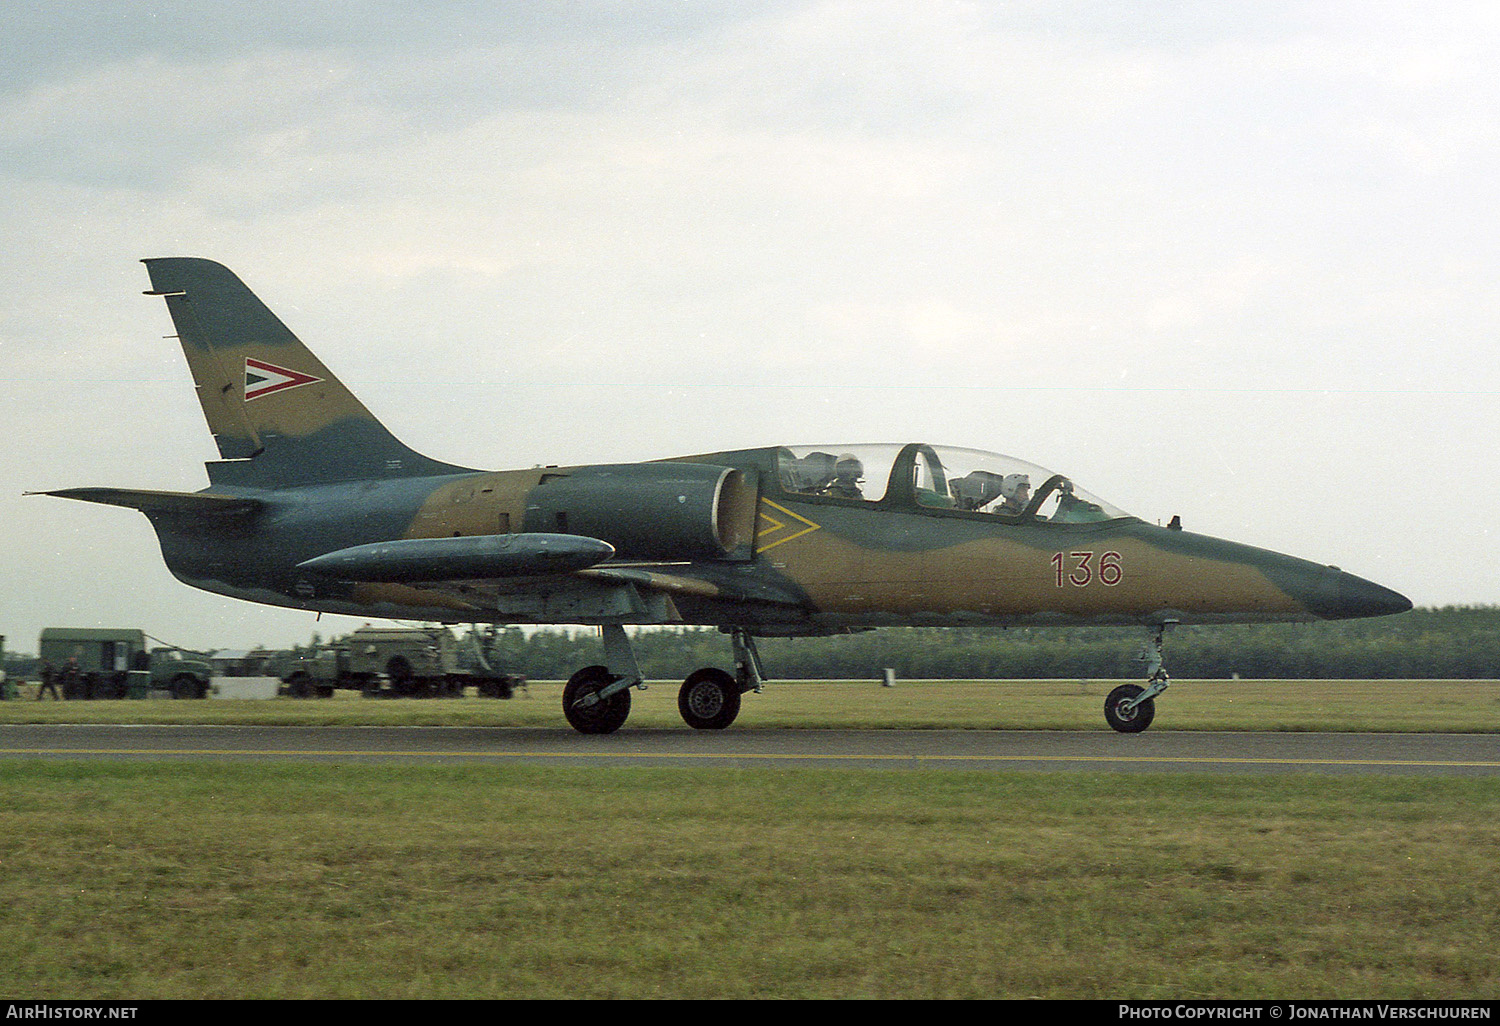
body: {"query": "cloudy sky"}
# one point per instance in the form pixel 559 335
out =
pixel 1235 261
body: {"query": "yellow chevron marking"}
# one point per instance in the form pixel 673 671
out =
pixel 775 526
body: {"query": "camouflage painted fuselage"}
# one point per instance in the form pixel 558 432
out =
pixel 808 564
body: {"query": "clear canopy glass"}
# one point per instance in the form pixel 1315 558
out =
pixel 939 477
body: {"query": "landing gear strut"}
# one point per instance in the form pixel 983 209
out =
pixel 1130 708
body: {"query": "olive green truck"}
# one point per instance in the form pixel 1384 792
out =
pixel 394 662
pixel 91 662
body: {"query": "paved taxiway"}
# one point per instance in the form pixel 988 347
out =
pixel 1096 751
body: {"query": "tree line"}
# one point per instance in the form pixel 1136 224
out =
pixel 1454 642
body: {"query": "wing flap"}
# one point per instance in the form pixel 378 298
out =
pixel 699 587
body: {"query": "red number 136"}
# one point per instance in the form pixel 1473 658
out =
pixel 1085 571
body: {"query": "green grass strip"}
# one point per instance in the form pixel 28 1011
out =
pixel 222 880
pixel 1464 706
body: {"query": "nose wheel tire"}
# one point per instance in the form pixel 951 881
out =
pixel 601 717
pixel 1123 718
pixel 709 699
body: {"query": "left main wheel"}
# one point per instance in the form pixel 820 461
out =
pixel 604 717
pixel 709 699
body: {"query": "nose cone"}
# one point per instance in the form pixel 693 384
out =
pixel 1342 596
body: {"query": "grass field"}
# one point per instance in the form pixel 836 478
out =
pixel 178 880
pixel 279 880
pixel 1364 705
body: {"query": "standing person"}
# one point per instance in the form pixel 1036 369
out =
pixel 71 679
pixel 49 682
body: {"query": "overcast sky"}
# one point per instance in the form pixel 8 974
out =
pixel 1234 261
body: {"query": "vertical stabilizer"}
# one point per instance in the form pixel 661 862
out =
pixel 278 415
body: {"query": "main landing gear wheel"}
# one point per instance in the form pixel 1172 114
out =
pixel 709 699
pixel 1120 714
pixel 601 717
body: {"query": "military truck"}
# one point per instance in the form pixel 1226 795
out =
pixel 115 663
pixel 398 662
pixel 313 674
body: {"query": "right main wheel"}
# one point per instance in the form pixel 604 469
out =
pixel 709 699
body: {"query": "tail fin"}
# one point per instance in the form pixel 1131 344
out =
pixel 277 414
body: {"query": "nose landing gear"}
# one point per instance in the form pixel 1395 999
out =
pixel 1130 708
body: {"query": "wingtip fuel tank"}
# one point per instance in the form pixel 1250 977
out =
pixel 414 560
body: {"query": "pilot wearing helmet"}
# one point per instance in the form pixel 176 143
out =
pixel 1016 489
pixel 848 472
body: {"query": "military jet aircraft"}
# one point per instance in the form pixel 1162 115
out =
pixel 315 505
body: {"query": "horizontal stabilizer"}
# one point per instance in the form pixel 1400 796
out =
pixel 183 503
pixel 476 557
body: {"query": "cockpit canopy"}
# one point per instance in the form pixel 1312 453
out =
pixel 939 477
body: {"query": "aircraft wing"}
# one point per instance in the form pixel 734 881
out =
pixel 517 564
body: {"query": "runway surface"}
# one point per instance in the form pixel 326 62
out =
pixel 1093 751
